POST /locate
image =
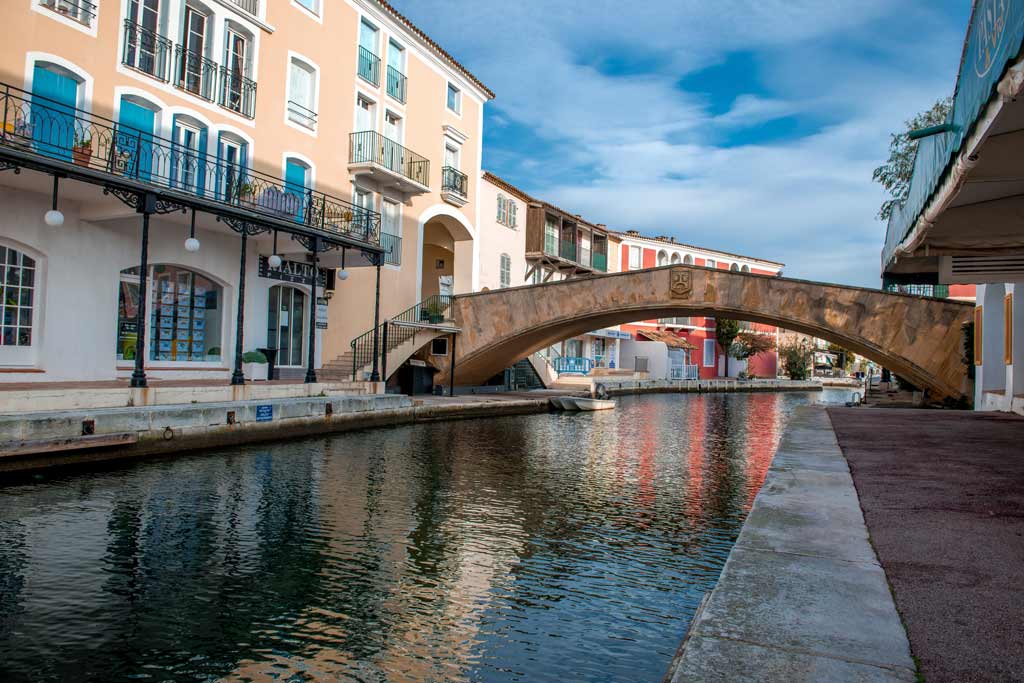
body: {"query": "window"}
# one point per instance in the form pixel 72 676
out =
pixel 439 347
pixel 662 258
pixel 231 159
pixel 634 258
pixel 193 75
pixel 236 94
pixel 188 168
pixel 688 260
pixel 551 235
pixel 185 315
pixel 311 5
pixel 454 99
pixel 302 93
pixel 710 263
pixel 142 51
pixel 297 184
pixel 709 353
pixel 285 324
pixel 675 257
pixel 507 210
pixel 365 116
pixel 396 71
pixel 734 268
pixel 506 270
pixel 391 218
pixel 82 11
pixel 451 156
pixel 369 62
pixel 18 280
pixel 745 269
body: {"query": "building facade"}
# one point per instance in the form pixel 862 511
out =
pixel 273 150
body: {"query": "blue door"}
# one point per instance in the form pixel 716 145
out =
pixel 54 97
pixel 295 185
pixel 135 140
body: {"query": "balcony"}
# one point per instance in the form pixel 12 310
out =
pixel 48 136
pixel 151 54
pixel 388 162
pixel 249 6
pixel 392 245
pixel 301 115
pixel 601 262
pixel 81 11
pixel 567 250
pixel 454 186
pixel 396 84
pixel 369 66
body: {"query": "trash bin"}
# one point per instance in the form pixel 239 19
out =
pixel 271 355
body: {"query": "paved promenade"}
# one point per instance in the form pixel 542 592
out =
pixel 802 596
pixel 943 497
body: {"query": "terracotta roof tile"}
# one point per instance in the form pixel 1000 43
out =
pixel 670 339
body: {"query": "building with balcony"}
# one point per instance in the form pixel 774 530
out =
pixel 184 178
pixel 562 244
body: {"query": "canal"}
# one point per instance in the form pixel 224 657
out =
pixel 556 547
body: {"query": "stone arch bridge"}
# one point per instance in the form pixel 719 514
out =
pixel 917 337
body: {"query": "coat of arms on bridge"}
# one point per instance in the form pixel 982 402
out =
pixel 681 283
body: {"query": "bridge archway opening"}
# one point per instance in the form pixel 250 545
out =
pixel 447 254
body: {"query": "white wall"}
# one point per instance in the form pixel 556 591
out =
pixel 998 385
pixel 496 238
pixel 656 353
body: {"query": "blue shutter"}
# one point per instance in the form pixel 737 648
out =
pixel 295 184
pixel 136 126
pixel 201 162
pixel 53 122
pixel 175 152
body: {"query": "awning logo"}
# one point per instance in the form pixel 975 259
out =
pixel 989 30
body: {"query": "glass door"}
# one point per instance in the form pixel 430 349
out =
pixel 192 60
pixel 234 61
pixel 141 44
pixel 286 324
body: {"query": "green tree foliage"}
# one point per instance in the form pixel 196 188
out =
pixel 726 332
pixel 749 344
pixel 894 175
pixel 796 358
pixel 844 355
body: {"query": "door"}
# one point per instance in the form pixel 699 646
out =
pixel 368 38
pixel 141 48
pixel 369 61
pixel 54 98
pixel 232 158
pixel 234 60
pixel 392 146
pixel 295 184
pixel 286 324
pixel 136 126
pixel 192 69
pixel 188 168
pixel 364 142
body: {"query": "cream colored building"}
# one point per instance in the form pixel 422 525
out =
pixel 298 123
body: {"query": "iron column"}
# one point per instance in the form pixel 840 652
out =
pixel 310 371
pixel 237 377
pixel 375 373
pixel 451 377
pixel 139 374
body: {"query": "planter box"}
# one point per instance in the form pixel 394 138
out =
pixel 255 371
pixel 82 155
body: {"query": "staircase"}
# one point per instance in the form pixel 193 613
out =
pixel 407 332
pixel 524 376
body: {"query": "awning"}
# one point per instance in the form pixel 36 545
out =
pixel 670 340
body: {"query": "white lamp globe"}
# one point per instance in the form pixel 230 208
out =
pixel 343 274
pixel 54 218
pixel 192 244
pixel 274 261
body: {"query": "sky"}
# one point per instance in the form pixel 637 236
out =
pixel 751 127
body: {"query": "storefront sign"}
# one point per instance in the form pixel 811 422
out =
pixel 611 334
pixel 292 271
pixel 321 313
pixel 264 413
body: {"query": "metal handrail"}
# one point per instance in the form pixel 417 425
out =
pixel 81 11
pixel 146 51
pixel 396 84
pixel 369 66
pixel 307 117
pixel 454 180
pixel 369 146
pixel 45 127
pixel 573 364
pixel 433 310
pixel 194 73
pixel 392 248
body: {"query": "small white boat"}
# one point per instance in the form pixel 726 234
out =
pixel 566 402
pixel 593 404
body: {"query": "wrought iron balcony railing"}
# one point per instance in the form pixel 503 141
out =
pixel 396 84
pixel 433 310
pixel 301 115
pixel 938 291
pixel 51 130
pixel 453 180
pixel 369 146
pixel 250 6
pixel 81 11
pixel 151 54
pixel 392 245
pixel 369 66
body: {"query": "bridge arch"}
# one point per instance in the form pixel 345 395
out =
pixel 917 337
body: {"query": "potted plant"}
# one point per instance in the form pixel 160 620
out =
pixel 246 191
pixel 254 365
pixel 82 151
pixel 435 312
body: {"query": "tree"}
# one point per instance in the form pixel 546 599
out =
pixel 894 175
pixel 796 356
pixel 749 344
pixel 843 355
pixel 725 332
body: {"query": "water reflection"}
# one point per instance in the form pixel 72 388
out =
pixel 547 547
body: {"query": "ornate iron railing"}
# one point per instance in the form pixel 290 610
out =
pixel 237 93
pixel 937 291
pixel 573 364
pixel 392 245
pixel 194 73
pixel 369 66
pixel 250 6
pixel 453 180
pixel 147 51
pixel 683 372
pixel 396 84
pixel 433 310
pixel 50 129
pixel 301 115
pixel 81 11
pixel 369 146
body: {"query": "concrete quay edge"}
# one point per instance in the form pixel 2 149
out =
pixel 802 596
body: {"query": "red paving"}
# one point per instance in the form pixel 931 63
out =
pixel 943 498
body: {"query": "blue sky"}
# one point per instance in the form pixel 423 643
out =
pixel 751 127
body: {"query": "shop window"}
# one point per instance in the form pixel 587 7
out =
pixel 18 280
pixel 186 310
pixel 285 322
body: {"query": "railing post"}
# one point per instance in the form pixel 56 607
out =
pixel 375 373
pixel 7 104
pixel 310 371
pixel 384 355
pixel 139 373
pixel 237 377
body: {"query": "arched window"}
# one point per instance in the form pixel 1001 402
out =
pixel 18 277
pixel 745 269
pixel 675 257
pixel 285 324
pixel 734 268
pixel 506 270
pixel 662 258
pixel 688 260
pixel 186 312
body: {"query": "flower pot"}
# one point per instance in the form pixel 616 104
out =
pixel 255 371
pixel 82 154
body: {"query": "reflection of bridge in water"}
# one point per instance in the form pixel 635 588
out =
pixel 917 337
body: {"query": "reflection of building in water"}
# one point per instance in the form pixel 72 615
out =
pixel 762 439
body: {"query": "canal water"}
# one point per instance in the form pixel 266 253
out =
pixel 557 547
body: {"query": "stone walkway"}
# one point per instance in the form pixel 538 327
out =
pixel 943 496
pixel 802 596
